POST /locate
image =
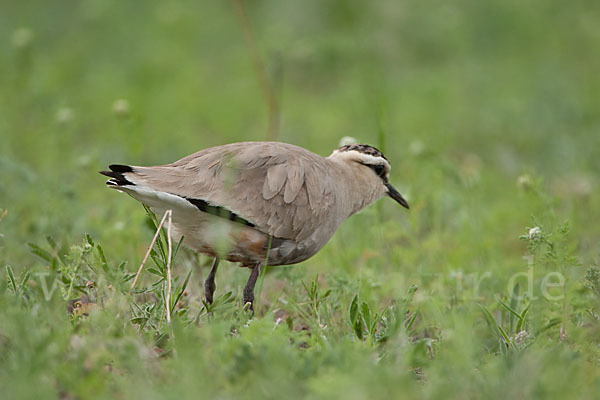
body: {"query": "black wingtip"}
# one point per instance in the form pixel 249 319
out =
pixel 118 179
pixel 120 168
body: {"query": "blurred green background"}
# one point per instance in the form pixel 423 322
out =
pixel 489 112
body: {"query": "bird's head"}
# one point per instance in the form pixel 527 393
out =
pixel 373 159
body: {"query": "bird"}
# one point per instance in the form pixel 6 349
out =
pixel 259 203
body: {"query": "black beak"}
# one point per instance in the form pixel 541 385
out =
pixel 394 194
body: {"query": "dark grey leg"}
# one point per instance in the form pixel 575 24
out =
pixel 249 289
pixel 209 283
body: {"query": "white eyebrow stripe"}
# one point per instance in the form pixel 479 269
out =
pixel 365 158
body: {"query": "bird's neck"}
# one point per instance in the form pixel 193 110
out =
pixel 359 187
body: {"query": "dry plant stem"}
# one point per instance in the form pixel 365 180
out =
pixel 169 212
pixel 137 276
pixel 261 71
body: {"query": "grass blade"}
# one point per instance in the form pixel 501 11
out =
pixel 38 251
pixel 496 329
pixel 521 323
pixel 183 287
pixel 12 282
pixel 513 312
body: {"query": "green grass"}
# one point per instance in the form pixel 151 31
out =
pixel 488 111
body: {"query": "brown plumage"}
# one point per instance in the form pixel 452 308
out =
pixel 257 202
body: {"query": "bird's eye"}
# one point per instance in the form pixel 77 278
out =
pixel 379 170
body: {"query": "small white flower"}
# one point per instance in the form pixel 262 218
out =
pixel 22 37
pixel 535 233
pixel 346 140
pixel 121 107
pixel 524 181
pixel 521 337
pixel 64 115
pixel 84 160
pixel 119 226
pixel 77 342
pixel 416 147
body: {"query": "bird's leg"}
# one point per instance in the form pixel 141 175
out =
pixel 209 283
pixel 249 289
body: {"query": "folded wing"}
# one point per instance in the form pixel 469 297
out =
pixel 279 188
